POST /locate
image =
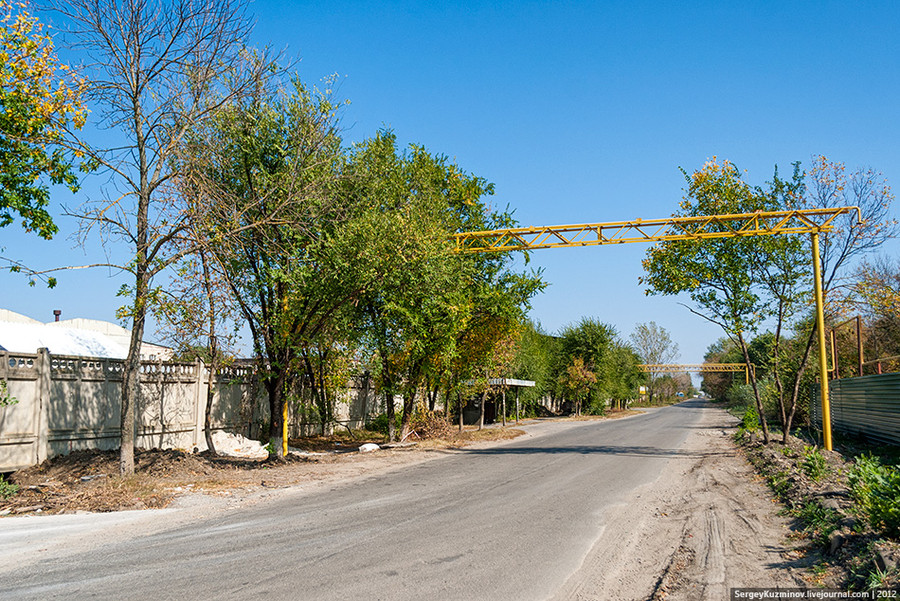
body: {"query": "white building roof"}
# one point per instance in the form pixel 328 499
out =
pixel 7 315
pixel 82 337
pixel 29 337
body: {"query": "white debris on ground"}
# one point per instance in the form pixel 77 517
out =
pixel 235 445
pixel 368 447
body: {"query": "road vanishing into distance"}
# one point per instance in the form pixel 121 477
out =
pixel 509 522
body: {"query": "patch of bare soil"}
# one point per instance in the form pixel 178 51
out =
pixel 708 524
pixel 89 481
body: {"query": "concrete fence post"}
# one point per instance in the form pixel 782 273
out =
pixel 199 401
pixel 42 406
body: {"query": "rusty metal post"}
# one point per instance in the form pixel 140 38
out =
pixel 859 349
pixel 836 374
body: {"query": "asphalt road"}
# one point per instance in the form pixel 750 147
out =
pixel 511 522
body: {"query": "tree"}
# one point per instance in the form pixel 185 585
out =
pixel 413 316
pixel 716 384
pixel 591 341
pixel 875 293
pixel 717 273
pixel 785 275
pixel 39 98
pixel 655 347
pixel 620 375
pixel 828 185
pixel 577 382
pixel 742 283
pixel 784 272
pixel 534 351
pixel 264 175
pixel 154 77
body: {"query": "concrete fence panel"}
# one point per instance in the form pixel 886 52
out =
pixel 65 403
pixel 20 423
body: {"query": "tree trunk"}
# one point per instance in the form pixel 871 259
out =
pixel 131 376
pixel 275 388
pixel 210 393
pixel 389 411
pixel 517 406
pixel 795 389
pixel 409 404
pixel 213 356
pixel 131 390
pixel 484 397
pixel 364 409
pixel 759 407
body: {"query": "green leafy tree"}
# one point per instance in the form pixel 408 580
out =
pixel 39 99
pixel 620 375
pixel 718 274
pixel 266 177
pixel 534 352
pixel 716 384
pixel 412 318
pixel 577 382
pixel 591 341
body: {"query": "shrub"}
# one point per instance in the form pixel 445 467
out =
pixel 876 490
pixel 750 421
pixel 379 423
pixel 813 464
pixel 740 394
pixel 7 489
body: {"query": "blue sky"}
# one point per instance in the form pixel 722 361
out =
pixel 578 112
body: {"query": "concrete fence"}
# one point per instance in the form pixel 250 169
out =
pixel 65 403
pixel 868 406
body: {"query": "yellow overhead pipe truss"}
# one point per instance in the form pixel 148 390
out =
pixel 801 221
pixel 761 223
pixel 703 368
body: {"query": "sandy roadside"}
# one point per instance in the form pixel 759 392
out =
pixel 706 525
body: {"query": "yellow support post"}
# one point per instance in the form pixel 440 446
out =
pixel 820 326
pixel 284 430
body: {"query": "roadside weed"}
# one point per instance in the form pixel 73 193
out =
pixel 780 483
pixel 876 490
pixel 787 452
pixel 6 489
pixel 813 464
pixel 878 579
pixel 819 522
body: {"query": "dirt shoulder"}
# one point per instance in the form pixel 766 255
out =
pixel 708 524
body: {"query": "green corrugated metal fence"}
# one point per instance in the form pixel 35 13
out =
pixel 868 406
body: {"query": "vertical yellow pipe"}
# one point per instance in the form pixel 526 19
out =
pixel 284 430
pixel 820 326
